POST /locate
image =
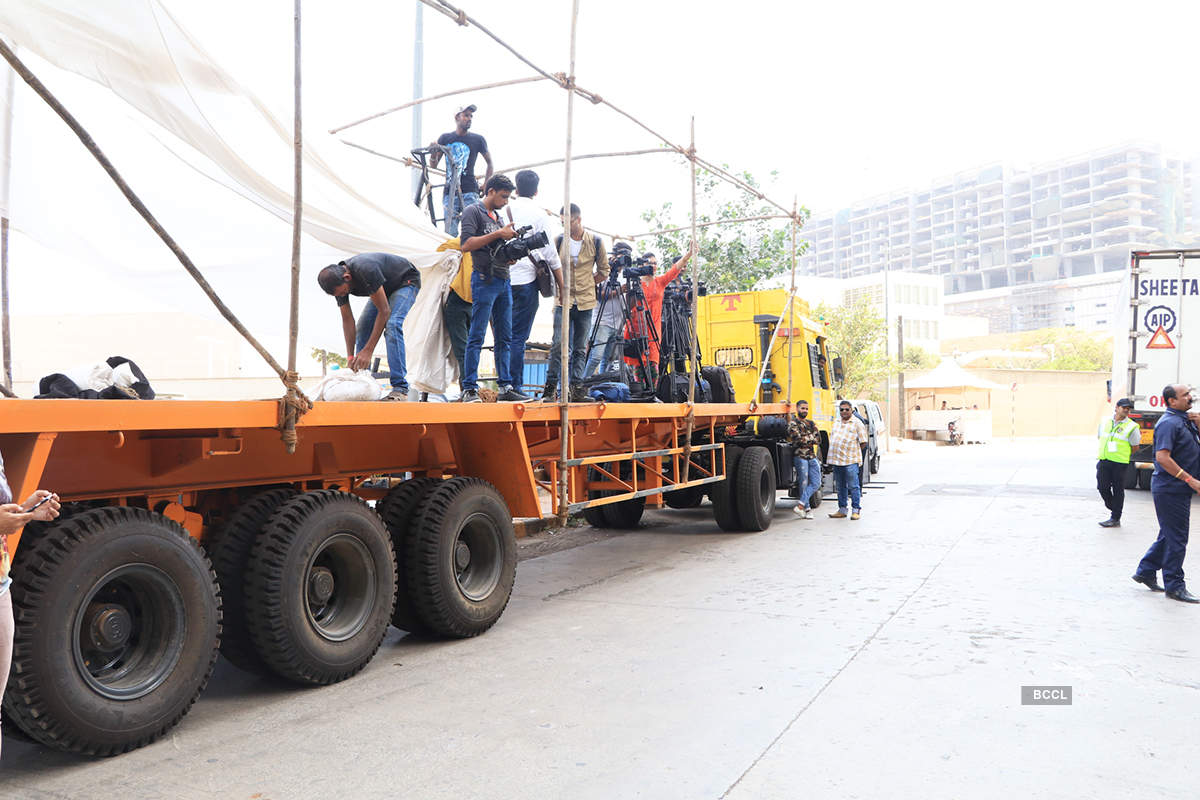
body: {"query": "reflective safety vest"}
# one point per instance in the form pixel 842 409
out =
pixel 1114 443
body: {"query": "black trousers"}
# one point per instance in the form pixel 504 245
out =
pixel 1110 482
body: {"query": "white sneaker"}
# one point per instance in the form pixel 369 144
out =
pixel 808 515
pixel 799 511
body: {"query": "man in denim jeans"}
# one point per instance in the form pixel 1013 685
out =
pixel 847 448
pixel 802 434
pixel 463 147
pixel 588 265
pixel 391 283
pixel 491 292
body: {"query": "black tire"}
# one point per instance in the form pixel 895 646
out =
pixel 118 619
pixel 229 548
pixel 1131 477
pixel 723 494
pixel 689 497
pixel 625 514
pixel 461 558
pixel 818 494
pixel 320 587
pixel 398 509
pixel 875 464
pixel 755 487
pixel 1143 478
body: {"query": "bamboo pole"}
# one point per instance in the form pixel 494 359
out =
pixel 791 305
pixel 85 138
pixel 564 349
pixel 5 182
pixel 693 355
pixel 294 404
pixel 432 97
pixel 706 225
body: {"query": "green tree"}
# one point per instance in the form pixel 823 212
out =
pixel 1070 349
pixel 856 332
pixel 917 357
pixel 329 357
pixel 735 257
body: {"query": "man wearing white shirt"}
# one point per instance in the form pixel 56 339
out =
pixel 525 297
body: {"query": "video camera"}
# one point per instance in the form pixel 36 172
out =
pixel 680 291
pixel 518 247
pixel 622 261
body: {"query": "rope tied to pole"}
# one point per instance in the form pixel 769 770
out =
pixel 292 406
pixel 462 18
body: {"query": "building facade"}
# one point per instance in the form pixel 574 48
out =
pixel 997 227
pixel 906 299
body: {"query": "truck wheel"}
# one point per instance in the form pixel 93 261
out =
pixel 229 548
pixel 875 464
pixel 625 514
pixel 755 488
pixel 398 509
pixel 1131 476
pixel 1143 478
pixel 689 497
pixel 118 617
pixel 724 498
pixel 320 587
pixel 461 558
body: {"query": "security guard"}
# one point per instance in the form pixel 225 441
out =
pixel 1177 457
pixel 1118 436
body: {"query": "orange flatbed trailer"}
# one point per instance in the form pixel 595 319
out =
pixel 177 508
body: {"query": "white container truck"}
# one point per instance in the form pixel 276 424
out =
pixel 1164 299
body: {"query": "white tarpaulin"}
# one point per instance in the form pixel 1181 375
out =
pixel 136 49
pixel 209 121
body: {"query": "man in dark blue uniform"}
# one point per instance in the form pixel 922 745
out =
pixel 1177 457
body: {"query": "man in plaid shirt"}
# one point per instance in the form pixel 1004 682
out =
pixel 803 436
pixel 847 446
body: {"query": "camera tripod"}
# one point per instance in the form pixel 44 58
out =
pixel 635 315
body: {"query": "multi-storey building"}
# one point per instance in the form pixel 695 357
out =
pixel 997 227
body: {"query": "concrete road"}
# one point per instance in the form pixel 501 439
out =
pixel 824 658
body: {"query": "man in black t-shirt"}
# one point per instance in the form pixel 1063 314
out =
pixel 491 293
pixel 392 284
pixel 464 147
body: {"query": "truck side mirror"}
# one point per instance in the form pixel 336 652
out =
pixel 839 377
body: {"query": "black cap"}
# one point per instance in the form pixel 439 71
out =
pixel 622 247
pixel 1125 402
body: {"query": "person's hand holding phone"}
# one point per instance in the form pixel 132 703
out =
pixel 42 506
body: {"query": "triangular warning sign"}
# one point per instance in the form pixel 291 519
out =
pixel 1160 341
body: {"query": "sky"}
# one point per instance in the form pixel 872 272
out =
pixel 843 101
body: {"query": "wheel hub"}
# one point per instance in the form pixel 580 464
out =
pixel 110 626
pixel 462 555
pixel 320 585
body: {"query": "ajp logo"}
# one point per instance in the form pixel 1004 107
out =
pixel 1160 317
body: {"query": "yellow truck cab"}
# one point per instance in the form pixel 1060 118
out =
pixel 736 329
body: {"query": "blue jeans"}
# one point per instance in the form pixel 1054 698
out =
pixel 846 478
pixel 399 302
pixel 525 299
pixel 580 323
pixel 604 350
pixel 1167 552
pixel 808 478
pixel 491 301
pixel 452 219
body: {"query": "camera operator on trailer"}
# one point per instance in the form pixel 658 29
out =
pixel 524 212
pixel 653 287
pixel 587 263
pixel 486 239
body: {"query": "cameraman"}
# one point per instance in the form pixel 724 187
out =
pixel 522 212
pixel 491 296
pixel 588 260
pixel 611 324
pixel 654 288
